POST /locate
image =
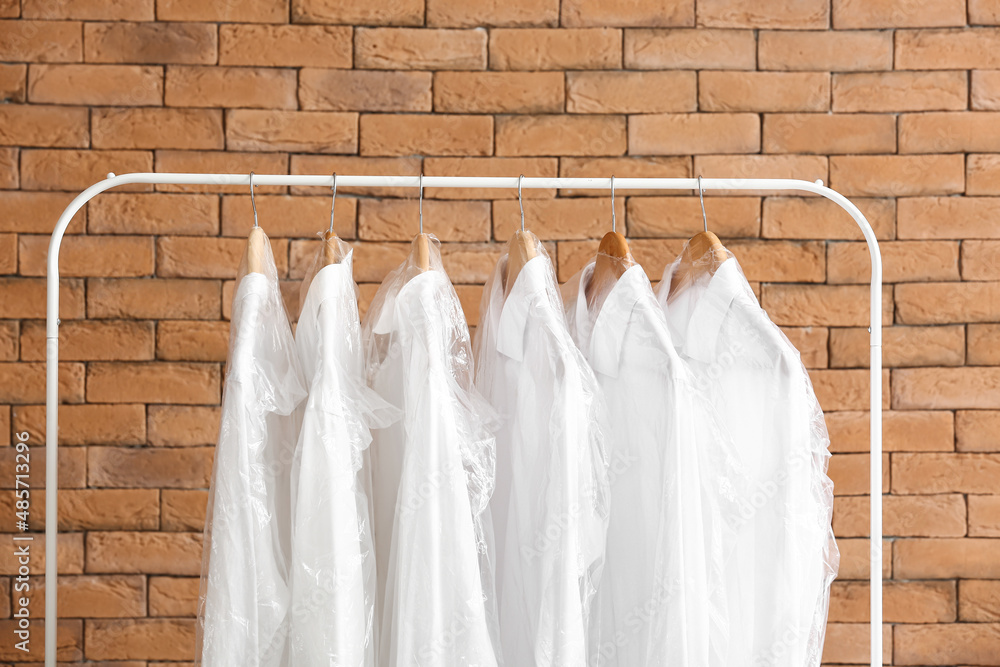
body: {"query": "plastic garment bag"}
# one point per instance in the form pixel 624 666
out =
pixel 242 616
pixel 432 476
pixel 550 506
pixel 674 484
pixel 779 584
pixel 333 560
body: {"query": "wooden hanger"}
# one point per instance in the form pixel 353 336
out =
pixel 421 242
pixel 702 255
pixel 256 240
pixel 332 253
pixel 613 257
pixel 522 245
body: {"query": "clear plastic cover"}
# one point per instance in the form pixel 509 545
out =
pixel 779 584
pixel 242 615
pixel 432 475
pixel 550 506
pixel 675 482
pixel 332 575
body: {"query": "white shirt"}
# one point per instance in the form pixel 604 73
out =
pixel 333 558
pixel 550 503
pixel 432 476
pixel 674 480
pixel 779 585
pixel 243 610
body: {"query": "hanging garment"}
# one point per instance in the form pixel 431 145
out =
pixel 550 505
pixel 432 475
pixel 779 585
pixel 242 616
pixel 674 480
pixel 333 561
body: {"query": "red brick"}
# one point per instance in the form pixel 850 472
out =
pixel 395 220
pixel 22 382
pixel 470 262
pixel 684 134
pixel 983 516
pixel 157 382
pixel 903 516
pixel 307 131
pixel 183 510
pixel 13 80
pixel 85 256
pixel 77 170
pixel 183 425
pixel 152 299
pixel 8 352
pixel 900 91
pixel 822 305
pixel 764 91
pixel 906 431
pixel 948 132
pixel 156 467
pixel 187 340
pixel 247 87
pixel 946 388
pixel 499 92
pixel 153 213
pixel 173 596
pixel 8 254
pixel 652 254
pixel 353 164
pixel 157 128
pixel 985 90
pixel 854 558
pixel 147 553
pixel 812 343
pixel 554 219
pixel 631 92
pixel 122 424
pixel 902 261
pixel 89 10
pixel 622 167
pixel 95 509
pixel 898 13
pixel 69 640
pixel 86 596
pixel 903 601
pixel 83 340
pixel 984 344
pixel 979 601
pixel 197 257
pixel 846 389
pixel 942 303
pixel 36 212
pixel 680 217
pixel 850 474
pixel 247 11
pixel 72 474
pixel 221 162
pixel 37 125
pixel 548 49
pixel 151 43
pixel 69 554
pixel 474 13
pixel 379 12
pixel 945 473
pixel 41 41
pixel 10 8
pixel 976 431
pixel 140 638
pixel 489 166
pixel 901 347
pixel 829 133
pixel 285 45
pixel 360 90
pixel 125 85
pixel 984 12
pixel 25 297
pixel 975 558
pixel 980 260
pixel 947 218
pixel 804 167
pixel 957 48
pixel 851 643
pixel 291 216
pixel 946 644
pixel 594 13
pixel 825 51
pixel 405 134
pixel 783 14
pixel 416 48
pixel 897 175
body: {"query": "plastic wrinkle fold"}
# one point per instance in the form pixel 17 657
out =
pixel 550 505
pixel 433 476
pixel 243 606
pixel 778 583
pixel 332 578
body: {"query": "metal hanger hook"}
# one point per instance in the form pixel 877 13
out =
pixel 421 204
pixel 614 216
pixel 253 202
pixel 334 202
pixel 701 198
pixel 520 201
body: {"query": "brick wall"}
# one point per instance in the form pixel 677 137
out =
pixel 891 102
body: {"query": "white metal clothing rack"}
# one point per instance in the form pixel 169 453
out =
pixel 765 184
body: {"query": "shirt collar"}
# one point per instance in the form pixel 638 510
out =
pixel 529 288
pixel 608 336
pixel 709 312
pixel 420 287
